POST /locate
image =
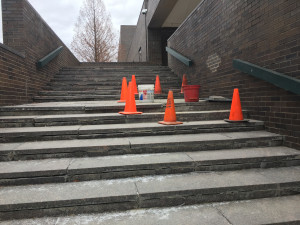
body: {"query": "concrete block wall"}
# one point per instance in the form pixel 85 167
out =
pixel 27 38
pixel 265 33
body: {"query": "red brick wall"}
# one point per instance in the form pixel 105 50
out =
pixel 265 33
pixel 27 39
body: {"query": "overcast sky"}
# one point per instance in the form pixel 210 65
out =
pixel 61 15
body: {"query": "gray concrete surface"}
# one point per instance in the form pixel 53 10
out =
pixel 250 212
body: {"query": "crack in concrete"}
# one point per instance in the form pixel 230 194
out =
pixel 138 196
pixel 221 213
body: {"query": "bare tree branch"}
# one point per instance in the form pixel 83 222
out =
pixel 94 39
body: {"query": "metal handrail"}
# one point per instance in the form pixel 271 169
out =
pixel 180 57
pixel 44 61
pixel 278 79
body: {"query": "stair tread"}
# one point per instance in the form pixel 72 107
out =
pixel 129 142
pixel 71 166
pixel 258 211
pixel 140 189
pixel 93 115
pixel 81 129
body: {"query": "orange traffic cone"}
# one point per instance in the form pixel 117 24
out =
pixel 236 114
pixel 157 89
pixel 170 114
pixel 123 90
pixel 184 82
pixel 134 87
pixel 130 106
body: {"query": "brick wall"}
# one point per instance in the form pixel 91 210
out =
pixel 265 33
pixel 27 38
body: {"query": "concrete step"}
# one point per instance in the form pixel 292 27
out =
pixel 76 98
pixel 51 98
pixel 247 212
pixel 79 93
pixel 108 82
pixel 106 118
pixel 115 167
pixel 154 191
pixel 175 89
pixel 137 145
pixel 133 70
pixel 121 130
pixel 81 107
pixel 117 76
pixel 98 93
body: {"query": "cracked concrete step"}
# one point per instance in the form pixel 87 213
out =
pixel 107 83
pixel 119 72
pixel 114 77
pixel 80 107
pixel 121 130
pixel 139 80
pixel 175 89
pixel 75 93
pixel 88 94
pixel 114 167
pixel 85 97
pixel 75 98
pixel 246 212
pixel 106 118
pixel 137 145
pixel 156 191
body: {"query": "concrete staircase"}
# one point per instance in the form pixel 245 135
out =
pixel 103 82
pixel 82 157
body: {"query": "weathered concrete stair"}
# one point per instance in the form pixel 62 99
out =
pixel 193 188
pixel 88 83
pixel 65 158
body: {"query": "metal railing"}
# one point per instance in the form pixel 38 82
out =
pixel 180 57
pixel 278 79
pixel 44 61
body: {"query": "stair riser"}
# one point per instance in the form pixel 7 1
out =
pixel 112 119
pixel 11 155
pixel 113 133
pixel 164 199
pixel 72 208
pixel 217 195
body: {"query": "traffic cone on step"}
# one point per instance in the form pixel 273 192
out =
pixel 133 81
pixel 184 82
pixel 236 114
pixel 170 114
pixel 123 90
pixel 157 89
pixel 130 106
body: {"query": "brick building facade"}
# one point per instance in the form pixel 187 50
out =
pixel 265 33
pixel 27 38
